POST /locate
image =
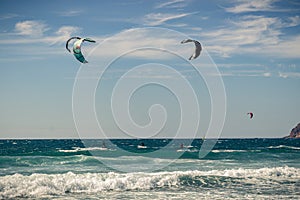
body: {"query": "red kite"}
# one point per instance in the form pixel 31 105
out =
pixel 251 114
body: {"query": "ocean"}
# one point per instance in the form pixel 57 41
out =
pixel 149 169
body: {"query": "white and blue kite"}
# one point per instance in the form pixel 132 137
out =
pixel 77 48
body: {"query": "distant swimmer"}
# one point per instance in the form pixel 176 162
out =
pixel 182 148
pixel 141 146
pixel 103 145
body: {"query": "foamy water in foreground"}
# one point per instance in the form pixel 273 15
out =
pixel 66 169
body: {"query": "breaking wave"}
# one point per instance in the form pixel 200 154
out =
pixel 78 149
pixel 284 147
pixel 39 185
pixel 227 151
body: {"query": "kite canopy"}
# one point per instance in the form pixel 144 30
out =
pixel 77 48
pixel 251 114
pixel 198 48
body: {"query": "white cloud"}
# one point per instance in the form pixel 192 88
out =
pixel 250 73
pixel 178 25
pixel 240 65
pixel 241 73
pixel 255 35
pixel 172 4
pixel 63 33
pixel 282 75
pixel 71 13
pixel 257 70
pixel 155 19
pixel 34 31
pixel 288 48
pixel 294 21
pixel 8 16
pixel 289 74
pixel 31 28
pixel 133 39
pixel 267 74
pixel 67 30
pixel 38 45
pixel 247 30
pixel 251 6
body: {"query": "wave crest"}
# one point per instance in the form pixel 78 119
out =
pixel 37 185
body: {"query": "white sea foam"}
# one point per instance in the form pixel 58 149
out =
pixel 142 147
pixel 227 151
pixel 284 147
pixel 78 149
pixel 38 185
pixel 187 150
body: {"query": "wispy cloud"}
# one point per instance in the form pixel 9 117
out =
pixel 254 34
pixel 289 74
pixel 240 65
pixel 172 4
pixel 33 42
pixel 267 74
pixel 288 48
pixel 293 21
pixel 133 39
pixel 156 19
pixel 179 25
pixel 31 28
pixel 34 32
pixel 249 73
pixel 259 70
pixel 242 73
pixel 242 6
pixel 246 30
pixel 71 13
pixel 8 16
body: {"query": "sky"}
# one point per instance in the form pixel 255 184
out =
pixel 254 45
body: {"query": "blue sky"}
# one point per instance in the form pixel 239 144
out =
pixel 254 44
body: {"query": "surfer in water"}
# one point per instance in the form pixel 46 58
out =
pixel 142 146
pixel 103 145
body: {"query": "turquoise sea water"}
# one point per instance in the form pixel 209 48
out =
pixel 156 169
